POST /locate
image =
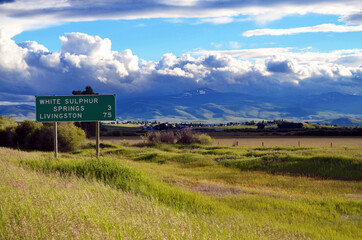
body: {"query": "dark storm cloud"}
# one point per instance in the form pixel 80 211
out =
pixel 279 66
pixel 354 18
pixel 96 9
pixel 6 1
pixel 124 9
pixel 262 3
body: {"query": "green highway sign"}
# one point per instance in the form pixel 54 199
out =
pixel 75 108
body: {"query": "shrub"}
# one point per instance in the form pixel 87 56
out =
pixel 70 137
pixel 25 132
pixel 186 136
pixel 38 136
pixel 43 138
pixel 152 137
pixel 7 122
pixel 168 137
pixel 7 137
pixel 204 139
pixel 161 137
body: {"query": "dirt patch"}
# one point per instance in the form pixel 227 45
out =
pixel 219 189
pixel 215 189
pixel 356 196
pixel 204 187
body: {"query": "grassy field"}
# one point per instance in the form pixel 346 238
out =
pixel 146 191
pixel 122 125
pixel 320 142
pixel 229 127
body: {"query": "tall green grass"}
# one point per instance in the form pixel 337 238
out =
pixel 120 197
pixel 333 167
pixel 112 172
pixel 34 205
pixel 300 161
pixel 162 154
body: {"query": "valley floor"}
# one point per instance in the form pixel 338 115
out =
pixel 322 142
pixel 147 191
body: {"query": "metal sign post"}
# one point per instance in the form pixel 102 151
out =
pixel 97 139
pixel 55 136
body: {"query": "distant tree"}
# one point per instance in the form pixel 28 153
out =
pixel 88 91
pixel 286 124
pixel 261 125
pixel 88 127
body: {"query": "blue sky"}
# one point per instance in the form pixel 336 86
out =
pixel 151 38
pixel 159 47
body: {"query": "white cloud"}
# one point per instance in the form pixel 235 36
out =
pixel 313 29
pixel 216 45
pixel 347 57
pixel 88 60
pixel 33 46
pixel 51 60
pixel 126 57
pixel 83 44
pixel 7 103
pixel 234 45
pixel 178 72
pixel 179 3
pixel 217 20
pixel 11 55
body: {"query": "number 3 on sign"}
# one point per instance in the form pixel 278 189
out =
pixel 109 107
pixel 107 114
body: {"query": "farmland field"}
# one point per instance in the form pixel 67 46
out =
pixel 163 191
pixel 323 142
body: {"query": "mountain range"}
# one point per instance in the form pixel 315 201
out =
pixel 210 106
pixel 206 105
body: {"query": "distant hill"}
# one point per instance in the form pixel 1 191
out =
pixel 346 121
pixel 207 105
pixel 19 111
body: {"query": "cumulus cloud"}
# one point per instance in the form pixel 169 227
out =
pixel 88 60
pixel 12 56
pixel 33 46
pixel 83 44
pixel 313 29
